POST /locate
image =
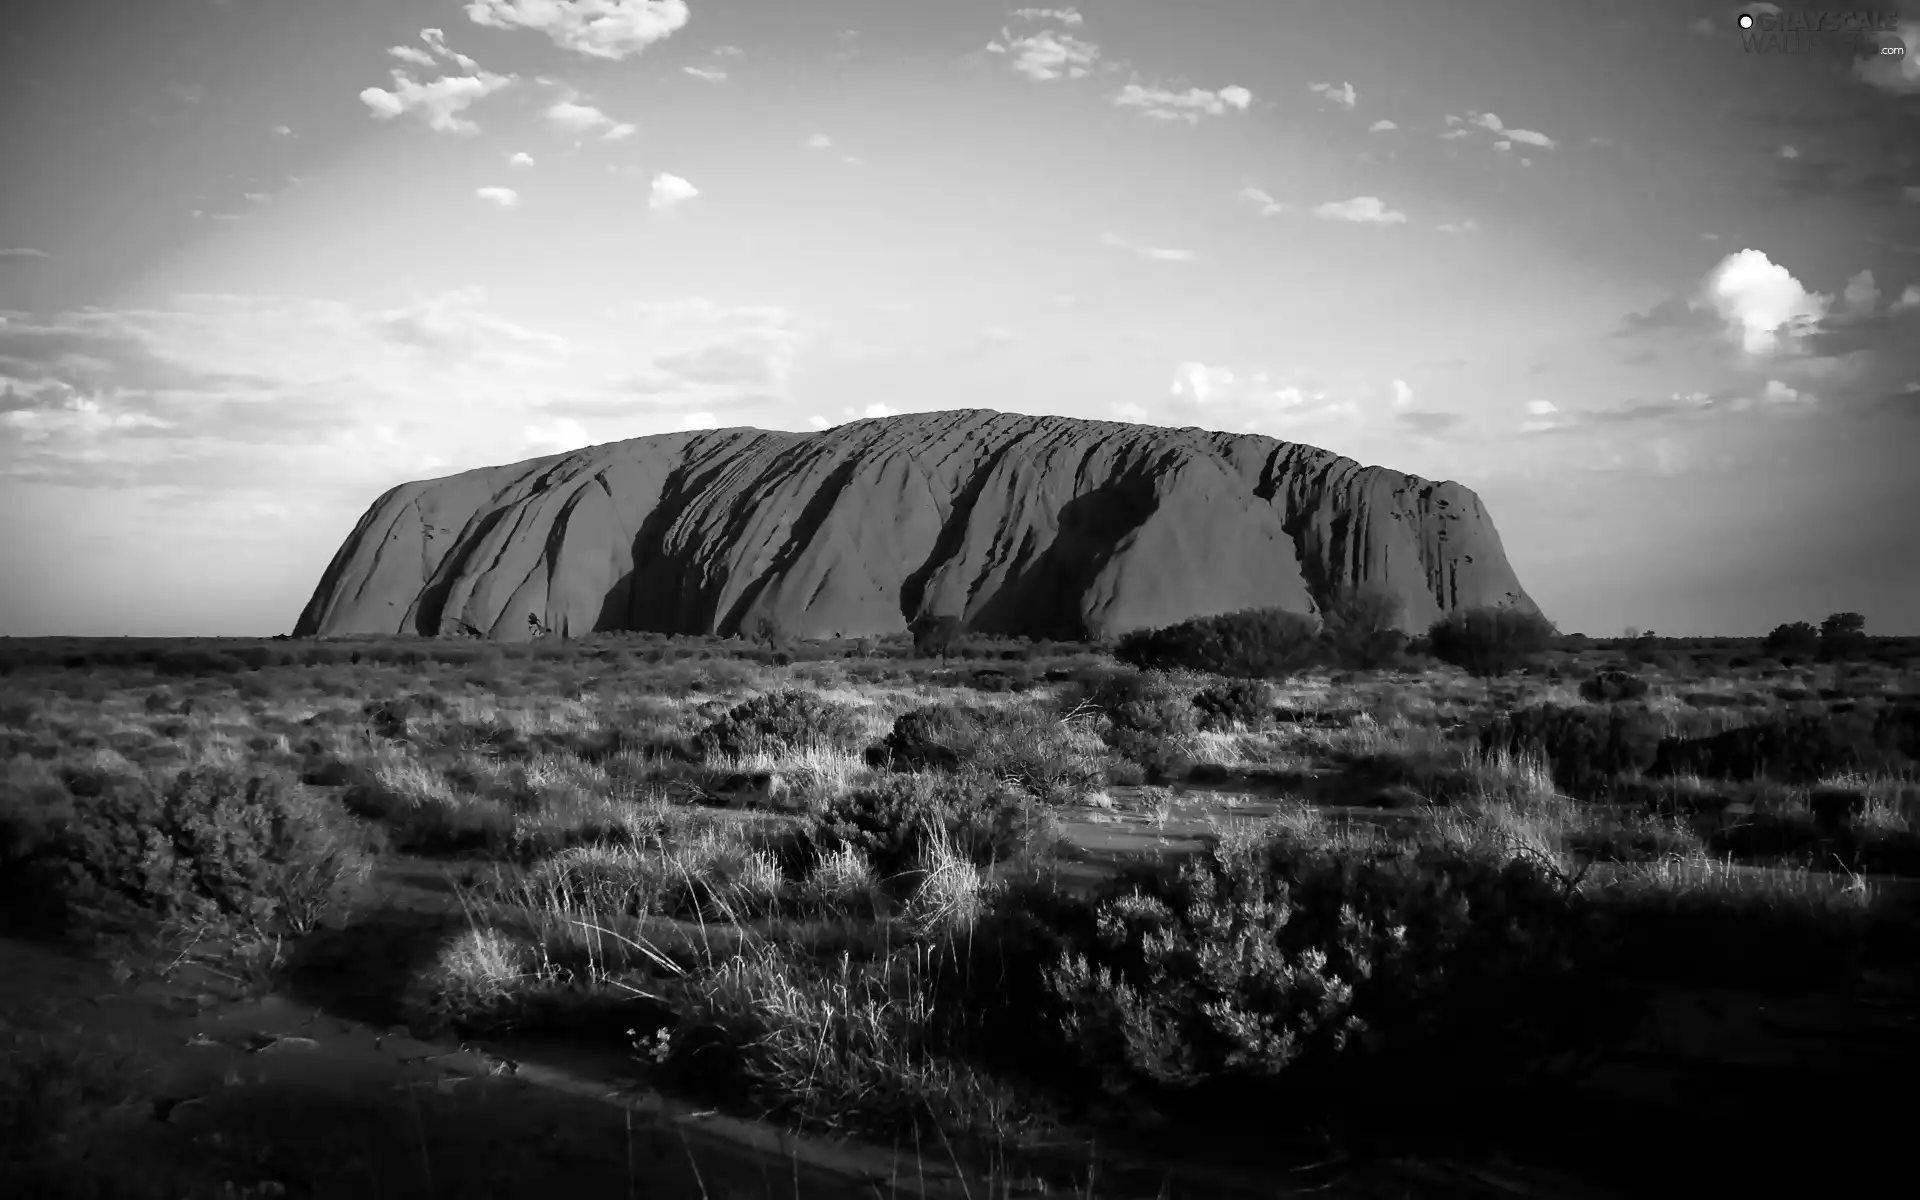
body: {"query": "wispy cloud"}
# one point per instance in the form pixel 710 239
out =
pixel 669 192
pixel 708 74
pixel 1491 123
pixel 437 40
pixel 1467 226
pixel 505 197
pixel 439 103
pixel 1164 104
pixel 579 118
pixel 1340 93
pixel 819 141
pixel 1066 16
pixel 1046 56
pixel 23 252
pixel 1365 210
pixel 606 29
pixel 1155 253
pixel 1262 201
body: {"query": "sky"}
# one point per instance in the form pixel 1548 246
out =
pixel 1648 283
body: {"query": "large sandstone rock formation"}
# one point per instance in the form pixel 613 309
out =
pixel 1044 526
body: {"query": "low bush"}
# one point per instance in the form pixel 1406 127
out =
pixel 1021 747
pixel 1586 748
pixel 778 723
pixel 1611 687
pixel 1247 702
pixel 1800 748
pixel 1490 641
pixel 1264 643
pixel 893 822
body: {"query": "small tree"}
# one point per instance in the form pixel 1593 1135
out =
pixel 1796 640
pixel 934 636
pixel 1843 635
pixel 1362 628
pixel 769 633
pixel 1490 641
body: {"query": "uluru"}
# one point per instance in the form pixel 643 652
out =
pixel 1038 526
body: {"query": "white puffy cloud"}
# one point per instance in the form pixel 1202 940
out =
pixel 819 141
pixel 438 40
pixel 577 118
pixel 556 436
pixel 411 54
pixel 1763 302
pixel 1163 104
pixel 1402 394
pixel 439 103
pixel 1365 210
pixel 1492 123
pixel 1779 393
pixel 1046 56
pixel 1908 301
pixel 1341 93
pixel 877 411
pixel 1381 126
pixel 695 421
pixel 607 29
pixel 1861 294
pixel 1199 382
pixel 669 191
pixel 505 197
pixel 520 159
pixel 1789 152
pixel 818 422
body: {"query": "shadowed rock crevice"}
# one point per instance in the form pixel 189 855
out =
pixel 1042 526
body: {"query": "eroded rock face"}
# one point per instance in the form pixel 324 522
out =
pixel 1043 526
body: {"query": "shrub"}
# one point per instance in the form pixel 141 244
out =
pixel 894 822
pixel 1843 636
pixel 1362 629
pixel 777 723
pixel 1490 641
pixel 1022 748
pixel 1144 701
pixel 1609 687
pixel 208 842
pixel 1261 956
pixel 1800 749
pixel 1246 702
pixel 1266 643
pixel 1584 747
pixel 935 636
pixel 1797 640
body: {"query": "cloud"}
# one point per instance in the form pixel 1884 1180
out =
pixel 1156 253
pixel 1199 382
pixel 697 421
pixel 1789 152
pixel 708 74
pixel 874 412
pixel 1491 123
pixel 707 354
pixel 520 159
pixel 669 191
pixel 1066 16
pixel 1366 210
pixel 1402 394
pixel 1896 73
pixel 579 118
pixel 1861 294
pixel 505 197
pixel 283 130
pixel 409 54
pixel 1341 94
pixel 1909 301
pixel 819 422
pixel 1261 200
pixel 557 436
pixel 1381 126
pixel 438 41
pixel 1763 302
pixel 1163 104
pixel 1430 422
pixel 1467 226
pixel 606 29
pixel 1046 56
pixel 819 141
pixel 23 252
pixel 439 103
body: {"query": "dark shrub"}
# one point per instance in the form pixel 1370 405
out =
pixel 1160 759
pixel 894 821
pixel 210 842
pixel 778 722
pixel 1031 752
pixel 1264 643
pixel 1256 959
pixel 935 636
pixel 196 661
pixel 388 718
pixel 1246 702
pixel 1843 637
pixel 1798 640
pixel 1801 748
pixel 1143 701
pixel 1608 687
pixel 1584 747
pixel 1362 629
pixel 1490 641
